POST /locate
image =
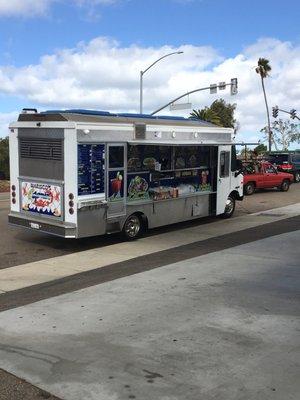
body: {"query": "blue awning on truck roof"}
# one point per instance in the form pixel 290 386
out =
pixel 124 115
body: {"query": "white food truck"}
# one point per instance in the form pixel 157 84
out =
pixel 79 173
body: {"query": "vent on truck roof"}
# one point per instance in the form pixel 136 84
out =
pixel 45 149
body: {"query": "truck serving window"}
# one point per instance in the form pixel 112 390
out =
pixel 224 163
pixel 116 157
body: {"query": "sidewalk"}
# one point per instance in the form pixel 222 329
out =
pixel 220 326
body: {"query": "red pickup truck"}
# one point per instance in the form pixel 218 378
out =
pixel 263 175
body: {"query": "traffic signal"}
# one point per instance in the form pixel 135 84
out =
pixel 293 113
pixel 234 85
pixel 275 111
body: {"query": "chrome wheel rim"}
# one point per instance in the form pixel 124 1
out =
pixel 229 206
pixel 132 226
pixel 297 177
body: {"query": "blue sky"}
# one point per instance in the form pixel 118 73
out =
pixel 226 25
pixel 215 35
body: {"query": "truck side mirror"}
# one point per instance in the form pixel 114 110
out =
pixel 239 168
pixel 239 165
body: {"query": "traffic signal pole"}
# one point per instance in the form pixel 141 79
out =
pixel 292 112
pixel 233 85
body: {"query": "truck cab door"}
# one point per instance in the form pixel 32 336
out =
pixel 223 177
pixel 271 176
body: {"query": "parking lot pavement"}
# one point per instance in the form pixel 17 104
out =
pixel 224 325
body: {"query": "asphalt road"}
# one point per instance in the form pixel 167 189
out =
pixel 18 246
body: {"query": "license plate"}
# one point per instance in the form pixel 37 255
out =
pixel 34 225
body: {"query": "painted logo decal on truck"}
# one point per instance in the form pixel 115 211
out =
pixel 41 198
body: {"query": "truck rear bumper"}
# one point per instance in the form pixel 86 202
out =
pixel 56 228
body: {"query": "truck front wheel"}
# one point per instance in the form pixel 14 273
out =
pixel 249 188
pixel 229 207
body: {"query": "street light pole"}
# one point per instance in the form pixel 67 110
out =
pixel 143 72
pixel 141 92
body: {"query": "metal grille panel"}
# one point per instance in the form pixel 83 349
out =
pixel 42 149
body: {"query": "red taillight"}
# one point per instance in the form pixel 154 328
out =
pixel 13 194
pixel 286 166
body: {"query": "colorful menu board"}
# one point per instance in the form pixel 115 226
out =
pixel 91 168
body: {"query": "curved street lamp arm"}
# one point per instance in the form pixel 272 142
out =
pixel 183 95
pixel 143 72
pixel 166 55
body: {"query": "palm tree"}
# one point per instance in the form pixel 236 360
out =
pixel 206 114
pixel 263 68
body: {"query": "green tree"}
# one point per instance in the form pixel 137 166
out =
pixel 263 68
pixel 246 154
pixel 206 114
pixel 4 157
pixel 285 132
pixel 260 149
pixel 225 111
pixel 219 113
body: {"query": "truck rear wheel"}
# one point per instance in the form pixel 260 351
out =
pixel 249 188
pixel 133 227
pixel 285 185
pixel 229 207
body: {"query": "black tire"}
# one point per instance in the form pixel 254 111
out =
pixel 229 208
pixel 133 227
pixel 297 176
pixel 285 185
pixel 249 188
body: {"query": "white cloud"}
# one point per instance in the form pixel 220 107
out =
pixel 103 75
pixel 32 8
pixel 24 8
pixel 5 119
